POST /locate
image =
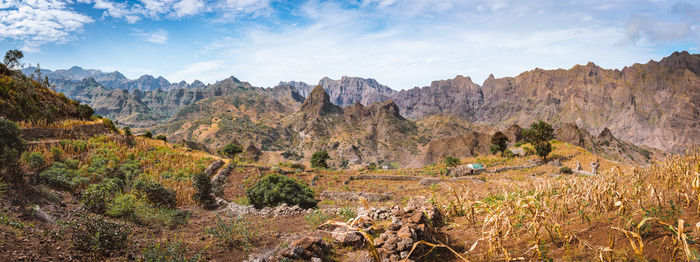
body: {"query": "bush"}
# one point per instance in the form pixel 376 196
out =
pixel 56 153
pixel 129 169
pixel 162 137
pixel 316 218
pixel 173 251
pixel 318 159
pixel 231 150
pixel 203 194
pixel 96 196
pixel 156 193
pixel 109 124
pixel 565 170
pixel 35 160
pixel 148 134
pixel 85 111
pixel 99 235
pixel 452 161
pixel 11 145
pixel 232 232
pixel 273 190
pixel 62 176
pixel 122 205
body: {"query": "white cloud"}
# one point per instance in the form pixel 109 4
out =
pixel 404 54
pixel 188 7
pixel 159 36
pixel 37 22
pixel 175 9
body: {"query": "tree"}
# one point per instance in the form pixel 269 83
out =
pixel 452 161
pixel 11 146
pixel 148 134
pixel 318 159
pixel 538 131
pixel 85 111
pixel 231 150
pixel 500 142
pixel 12 59
pixel 539 134
pixel 162 137
pixel 543 148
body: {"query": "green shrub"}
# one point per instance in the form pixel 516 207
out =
pixel 72 163
pixel 565 170
pixel 122 205
pixel 347 213
pixel 35 160
pixel 316 218
pixel 231 150
pixel 85 111
pixel 11 145
pixel 56 153
pixel 109 124
pixel 203 193
pixel 62 176
pixel 273 190
pixel 139 211
pixel 162 137
pixel 95 234
pixel 156 193
pixel 148 134
pixel 232 232
pixel 129 169
pixel 171 251
pixel 96 196
pixel 318 159
pixel 452 161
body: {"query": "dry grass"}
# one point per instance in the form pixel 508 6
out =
pixel 644 205
pixel 64 124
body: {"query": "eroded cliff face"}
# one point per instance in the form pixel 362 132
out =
pixel 656 104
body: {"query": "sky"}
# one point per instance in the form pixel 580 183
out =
pixel 401 44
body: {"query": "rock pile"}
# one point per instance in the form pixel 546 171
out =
pixel 282 210
pixel 306 248
pixel 409 225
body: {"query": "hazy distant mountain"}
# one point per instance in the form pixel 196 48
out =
pixel 64 78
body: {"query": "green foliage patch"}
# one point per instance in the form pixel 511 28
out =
pixel 274 189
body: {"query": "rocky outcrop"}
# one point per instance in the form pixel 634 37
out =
pixel 467 145
pixel 605 144
pixel 349 90
pixel 459 96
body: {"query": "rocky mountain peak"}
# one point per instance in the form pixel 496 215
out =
pixel 319 102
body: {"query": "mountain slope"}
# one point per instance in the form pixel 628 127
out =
pixel 23 99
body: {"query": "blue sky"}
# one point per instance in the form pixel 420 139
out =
pixel 400 43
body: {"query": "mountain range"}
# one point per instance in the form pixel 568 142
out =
pixel 64 78
pixel 655 105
